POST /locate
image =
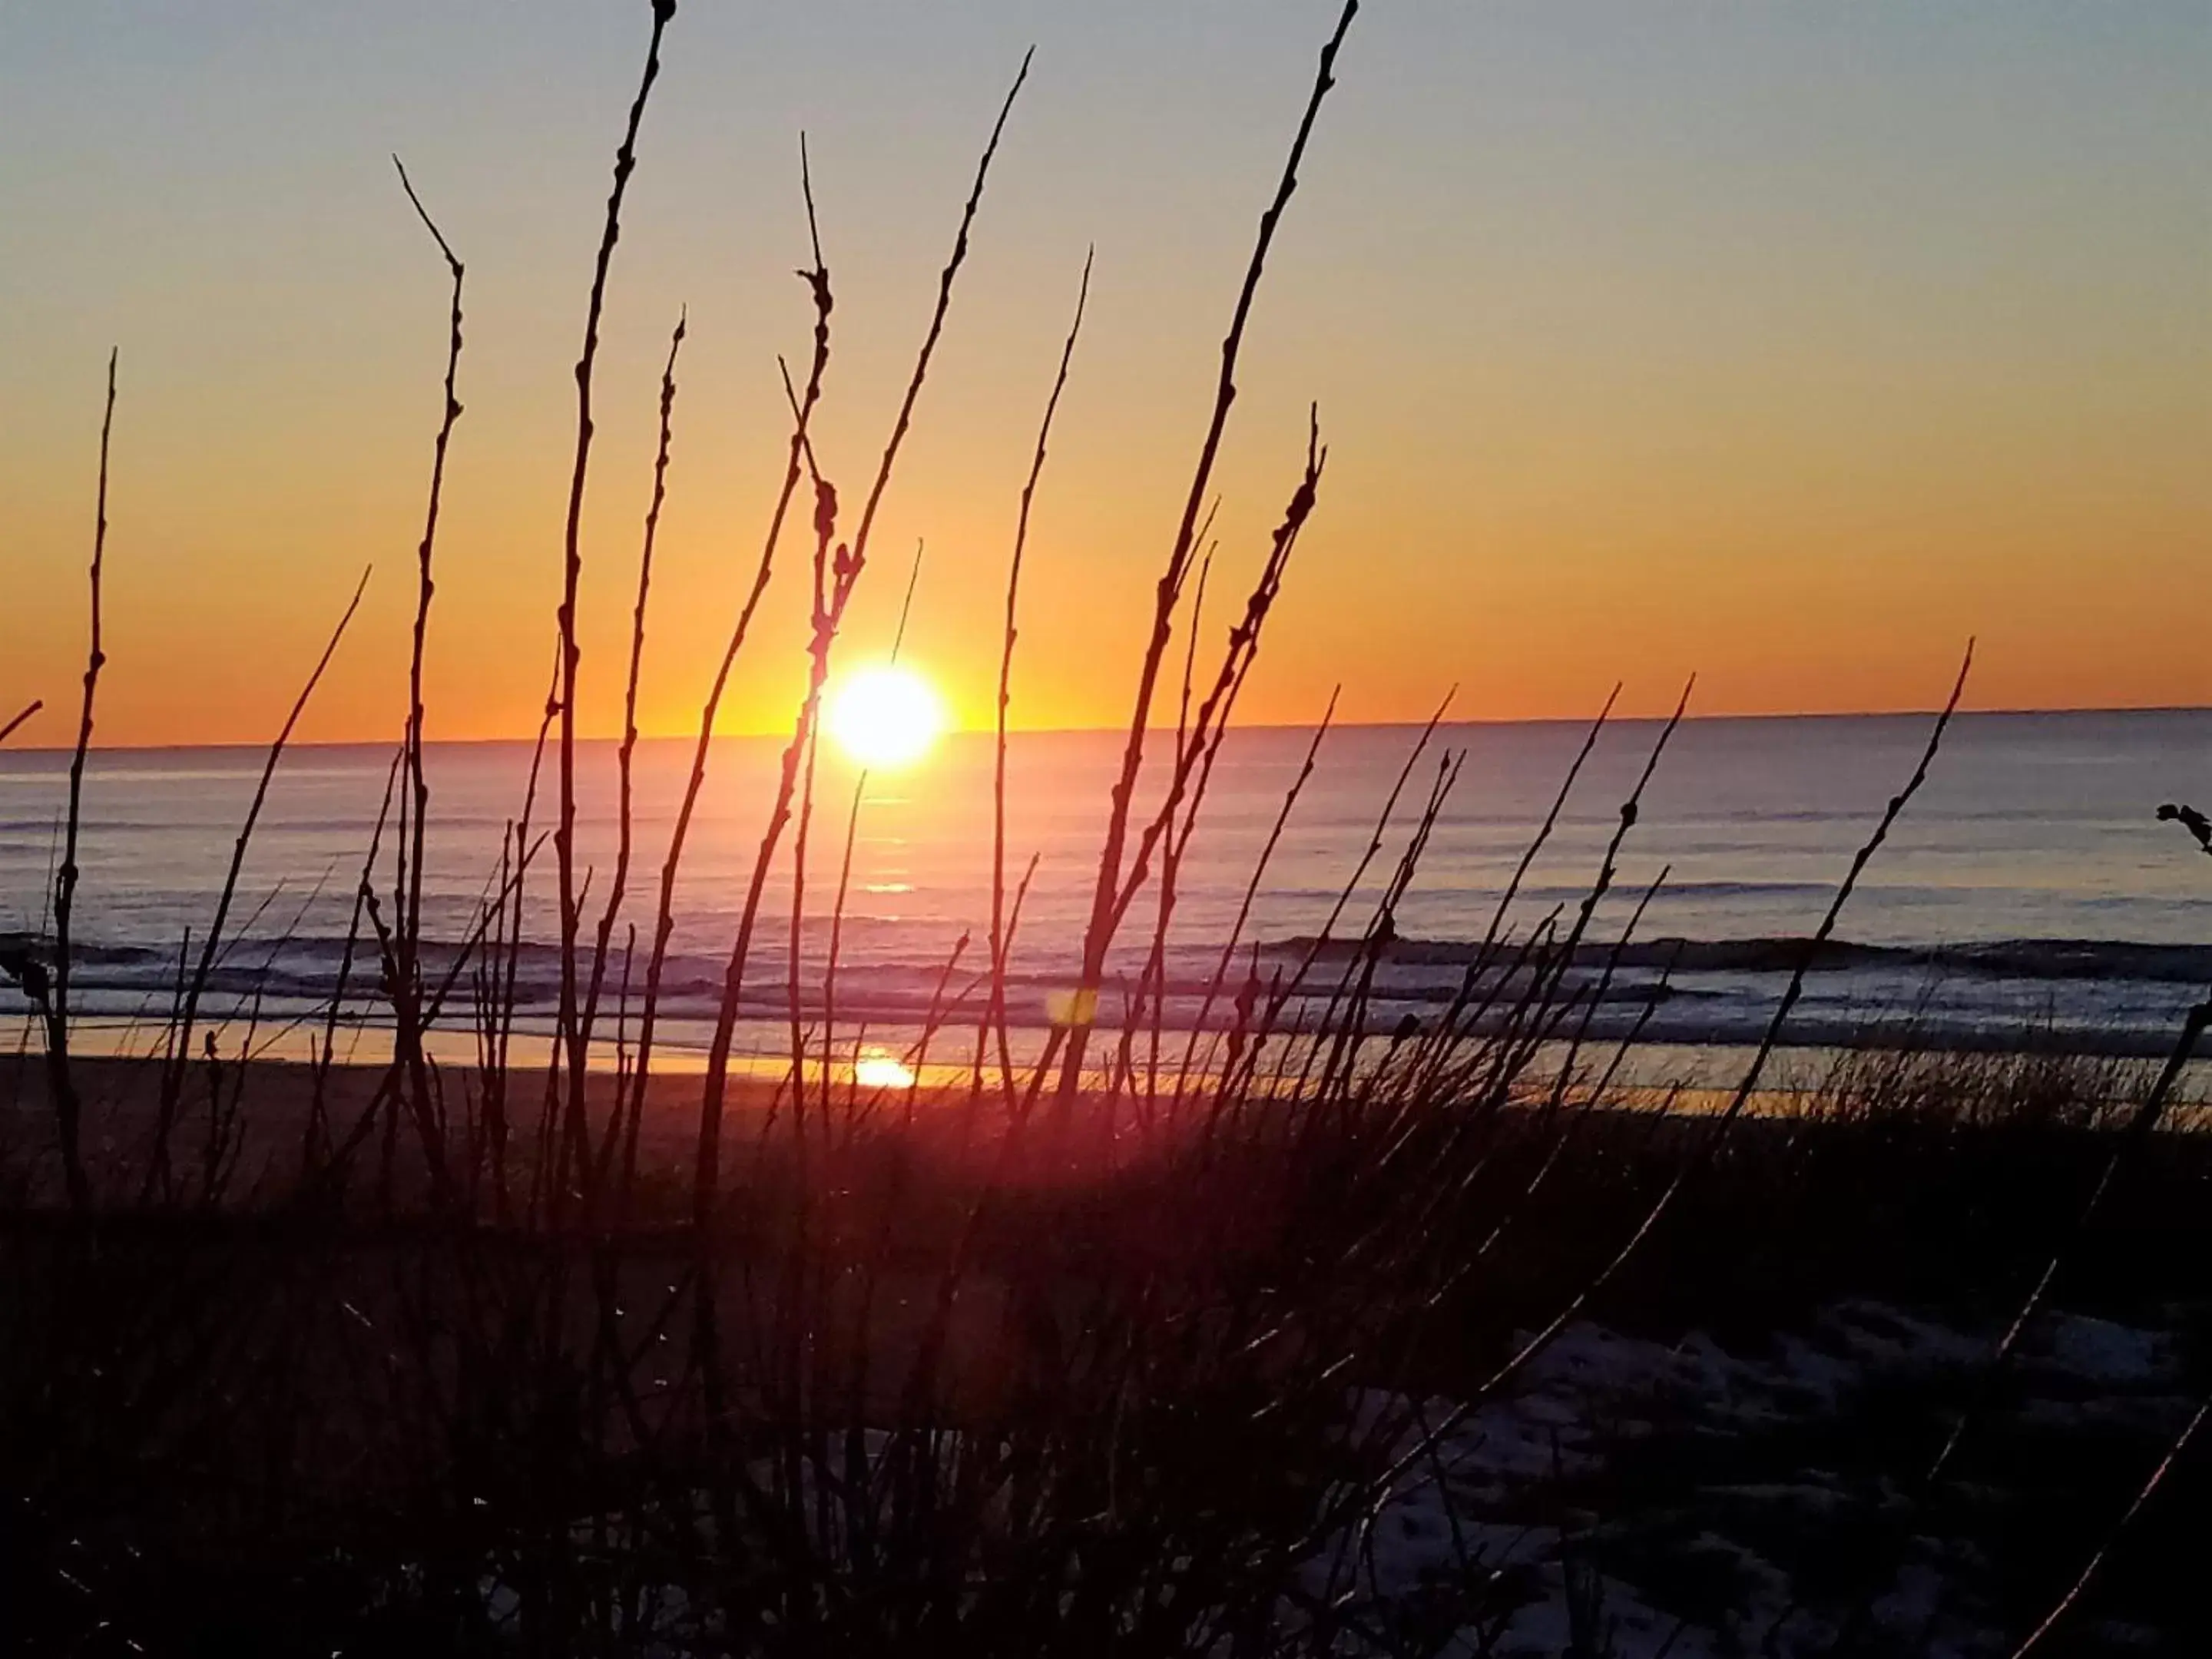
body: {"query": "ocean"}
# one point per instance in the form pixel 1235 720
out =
pixel 2027 896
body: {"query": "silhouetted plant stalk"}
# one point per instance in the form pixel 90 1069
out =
pixel 2141 1124
pixel 2165 1466
pixel 1405 1131
pixel 1235 938
pixel 409 1063
pixel 927 1403
pixel 1198 744
pixel 835 576
pixel 1555 962
pixel 994 1015
pixel 1996 1365
pixel 29 710
pixel 519 852
pixel 831 587
pixel 844 882
pixel 1155 968
pixel 1343 1019
pixel 1107 902
pixel 317 1150
pixel 1718 1127
pixel 1257 1021
pixel 618 887
pixel 572 1027
pixel 796 461
pixel 157 1177
pixel 834 579
pixel 1470 980
pixel 68 1107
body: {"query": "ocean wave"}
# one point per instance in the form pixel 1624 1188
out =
pixel 2016 959
pixel 316 959
pixel 2095 995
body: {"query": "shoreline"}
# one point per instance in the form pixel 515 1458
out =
pixel 680 1046
pixel 1683 1081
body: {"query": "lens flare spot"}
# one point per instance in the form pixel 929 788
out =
pixel 885 716
pixel 1071 1008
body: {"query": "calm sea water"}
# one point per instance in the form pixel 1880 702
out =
pixel 2027 893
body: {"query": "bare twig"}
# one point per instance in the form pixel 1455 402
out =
pixel 415 802
pixel 1722 1122
pixel 845 865
pixel 157 1169
pixel 1099 935
pixel 618 887
pixel 996 1013
pixel 67 1111
pixel 834 584
pixel 316 1146
pixel 1260 864
pixel 2143 1495
pixel 817 281
pixel 572 1025
pixel 2140 1127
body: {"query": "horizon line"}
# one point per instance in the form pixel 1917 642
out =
pixel 1118 731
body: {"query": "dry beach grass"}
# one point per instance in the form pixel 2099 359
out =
pixel 1116 1348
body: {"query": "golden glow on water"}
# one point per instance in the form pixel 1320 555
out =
pixel 885 716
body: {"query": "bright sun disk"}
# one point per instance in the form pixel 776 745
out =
pixel 885 715
pixel 882 1071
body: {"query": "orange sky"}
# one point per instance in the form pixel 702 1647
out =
pixel 1789 349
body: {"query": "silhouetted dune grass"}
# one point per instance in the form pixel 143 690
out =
pixel 1293 1330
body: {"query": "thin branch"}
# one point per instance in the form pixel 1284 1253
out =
pixel 571 564
pixel 415 804
pixel 937 317
pixel 845 866
pixel 1236 925
pixel 834 585
pixel 2143 1496
pixel 2130 1140
pixel 619 886
pixel 67 1109
pixel 1807 953
pixel 1099 935
pixel 157 1172
pixel 817 282
pixel 996 1013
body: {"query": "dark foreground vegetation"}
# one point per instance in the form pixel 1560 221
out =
pixel 1269 1384
pixel 1300 1336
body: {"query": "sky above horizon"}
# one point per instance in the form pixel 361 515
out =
pixel 1789 345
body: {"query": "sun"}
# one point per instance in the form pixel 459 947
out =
pixel 882 1071
pixel 885 715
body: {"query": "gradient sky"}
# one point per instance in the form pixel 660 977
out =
pixel 1789 343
